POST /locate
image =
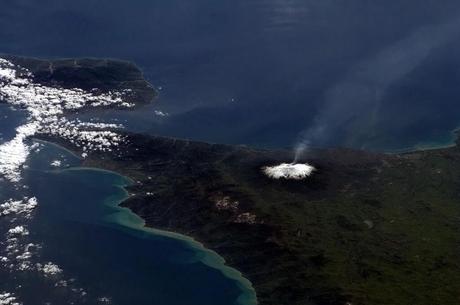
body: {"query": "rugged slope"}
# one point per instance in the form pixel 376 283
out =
pixel 364 229
pixel 368 229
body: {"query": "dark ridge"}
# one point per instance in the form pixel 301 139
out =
pixel 96 75
pixel 365 229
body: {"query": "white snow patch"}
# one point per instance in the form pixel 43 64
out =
pixel 297 171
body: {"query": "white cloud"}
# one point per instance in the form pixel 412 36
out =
pixel 15 207
pixel 13 154
pixel 46 107
pixel 104 300
pixel 56 163
pixel 161 113
pixel 18 230
pixel 49 269
pixel 7 298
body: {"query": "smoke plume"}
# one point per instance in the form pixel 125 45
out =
pixel 356 98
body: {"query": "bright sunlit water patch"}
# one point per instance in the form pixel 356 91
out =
pixel 297 171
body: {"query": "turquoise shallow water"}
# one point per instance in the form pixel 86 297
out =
pixel 124 217
pixel 104 250
pixel 238 72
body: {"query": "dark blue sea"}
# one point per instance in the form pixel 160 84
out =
pixel 270 73
pixel 261 72
pixel 103 252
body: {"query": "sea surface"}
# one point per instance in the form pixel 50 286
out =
pixel 270 73
pixel 380 76
pixel 103 252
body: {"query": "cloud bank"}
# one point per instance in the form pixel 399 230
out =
pixel 46 107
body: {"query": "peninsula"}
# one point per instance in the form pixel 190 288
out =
pixel 363 229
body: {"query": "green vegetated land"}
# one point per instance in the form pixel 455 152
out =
pixel 364 229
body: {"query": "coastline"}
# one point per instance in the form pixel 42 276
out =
pixel 430 145
pixel 287 259
pixel 127 218
pixel 162 159
pixel 144 93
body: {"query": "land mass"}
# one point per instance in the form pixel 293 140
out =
pixel 98 76
pixel 364 229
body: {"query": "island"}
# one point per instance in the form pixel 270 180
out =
pixel 364 228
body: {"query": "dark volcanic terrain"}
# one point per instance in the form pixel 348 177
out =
pixel 364 229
